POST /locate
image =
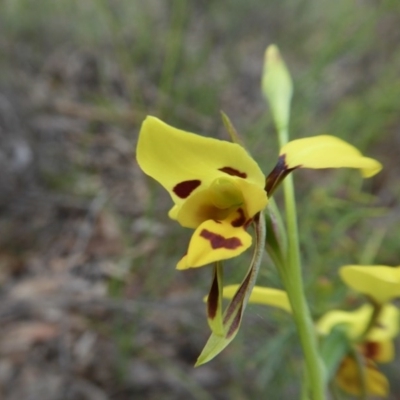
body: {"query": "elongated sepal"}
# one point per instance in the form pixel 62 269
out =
pixel 231 129
pixel 333 349
pixel 214 301
pixel 263 295
pixel 234 312
pixel 276 240
pixel 277 86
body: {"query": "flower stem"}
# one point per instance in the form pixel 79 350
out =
pixel 293 282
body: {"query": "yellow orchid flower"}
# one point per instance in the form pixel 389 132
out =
pixel 355 322
pixel 262 295
pixel 380 282
pixel 218 189
pixel 348 378
pixel 216 186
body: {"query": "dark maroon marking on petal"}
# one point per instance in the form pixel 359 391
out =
pixel 233 172
pixel 219 242
pixel 239 221
pixel 212 300
pixel 235 323
pixel 371 349
pixel 183 189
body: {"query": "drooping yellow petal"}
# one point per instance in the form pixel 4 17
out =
pixel 380 282
pixel 214 241
pixel 184 162
pixel 263 295
pixel 326 151
pixel 355 322
pixel 348 379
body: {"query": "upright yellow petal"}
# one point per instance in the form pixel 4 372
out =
pixel 263 295
pixel 326 151
pixel 184 162
pixel 378 281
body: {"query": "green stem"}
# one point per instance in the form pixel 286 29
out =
pixel 293 282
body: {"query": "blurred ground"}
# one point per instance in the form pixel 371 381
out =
pixel 91 307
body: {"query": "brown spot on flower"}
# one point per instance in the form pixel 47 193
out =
pixel 183 189
pixel 240 220
pixel 219 242
pixel 371 349
pixel 233 172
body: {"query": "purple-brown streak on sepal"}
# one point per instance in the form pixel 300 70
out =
pixel 185 188
pixel 235 323
pixel 277 175
pixel 213 297
pixel 237 298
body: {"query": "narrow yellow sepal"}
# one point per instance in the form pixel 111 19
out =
pixel 263 295
pixel 326 151
pixel 277 86
pixel 380 282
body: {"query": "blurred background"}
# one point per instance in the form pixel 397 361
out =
pixel 92 307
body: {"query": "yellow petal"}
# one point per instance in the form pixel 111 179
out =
pixel 263 295
pixel 185 163
pixel 348 379
pixel 380 282
pixel 327 152
pixel 214 241
pixel 355 322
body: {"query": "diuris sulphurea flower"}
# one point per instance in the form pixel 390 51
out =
pixel 216 186
pixel 371 344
